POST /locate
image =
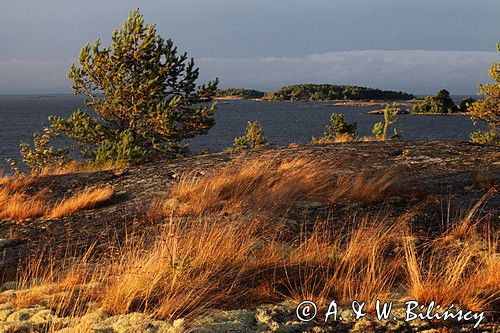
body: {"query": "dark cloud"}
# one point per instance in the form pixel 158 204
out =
pixel 38 38
pixel 420 72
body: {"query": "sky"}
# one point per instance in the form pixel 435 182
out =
pixel 416 46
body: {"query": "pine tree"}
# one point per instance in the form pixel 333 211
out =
pixel 488 109
pixel 143 96
pixel 253 138
pixel 339 126
pixel 339 130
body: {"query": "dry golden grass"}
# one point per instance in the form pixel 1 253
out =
pixel 18 206
pixel 75 167
pixel 87 198
pixel 14 203
pixel 461 266
pixel 15 183
pixel 329 140
pixel 274 186
pixel 466 274
pixel 199 263
pixel 245 258
pixel 17 203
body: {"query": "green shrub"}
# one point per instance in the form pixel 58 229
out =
pixel 488 109
pixel 485 138
pixel 338 130
pixel 380 129
pixel 42 154
pixel 144 100
pixel 254 138
pixel 441 103
pixel 465 104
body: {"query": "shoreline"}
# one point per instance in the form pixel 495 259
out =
pixel 354 103
pixel 336 102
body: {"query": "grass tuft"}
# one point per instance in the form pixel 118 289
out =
pixel 273 186
pixel 18 202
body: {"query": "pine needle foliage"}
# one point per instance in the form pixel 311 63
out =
pixel 142 101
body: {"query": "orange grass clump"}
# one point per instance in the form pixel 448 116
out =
pixel 207 263
pixel 87 198
pixel 17 204
pixel 200 263
pixel 14 204
pixel 269 185
pixel 468 274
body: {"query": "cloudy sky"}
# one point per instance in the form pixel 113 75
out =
pixel 417 46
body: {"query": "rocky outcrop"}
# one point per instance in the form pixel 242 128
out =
pixel 442 169
pixel 265 318
pixel 445 172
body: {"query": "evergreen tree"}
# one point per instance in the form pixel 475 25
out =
pixel 253 138
pixel 488 109
pixel 339 126
pixel 441 103
pixel 143 96
pixel 339 130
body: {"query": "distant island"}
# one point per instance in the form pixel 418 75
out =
pixel 237 93
pixel 329 92
pixel 315 93
pixel 442 103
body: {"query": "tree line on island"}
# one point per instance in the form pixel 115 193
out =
pixel 240 93
pixel 144 101
pixel 442 103
pixel 317 92
pixel 328 92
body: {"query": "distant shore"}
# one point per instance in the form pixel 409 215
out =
pixel 335 102
pixel 338 102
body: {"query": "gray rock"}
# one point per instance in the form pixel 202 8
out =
pixel 9 285
pixel 227 321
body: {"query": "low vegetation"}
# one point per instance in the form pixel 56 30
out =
pixel 18 202
pixel 380 129
pixel 253 138
pixel 272 186
pixel 237 245
pixel 328 92
pixel 339 130
pixel 441 103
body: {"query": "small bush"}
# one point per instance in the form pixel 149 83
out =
pixel 254 138
pixel 380 129
pixel 441 103
pixel 339 130
pixel 485 138
pixel 465 104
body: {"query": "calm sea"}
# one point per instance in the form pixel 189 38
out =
pixel 284 122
